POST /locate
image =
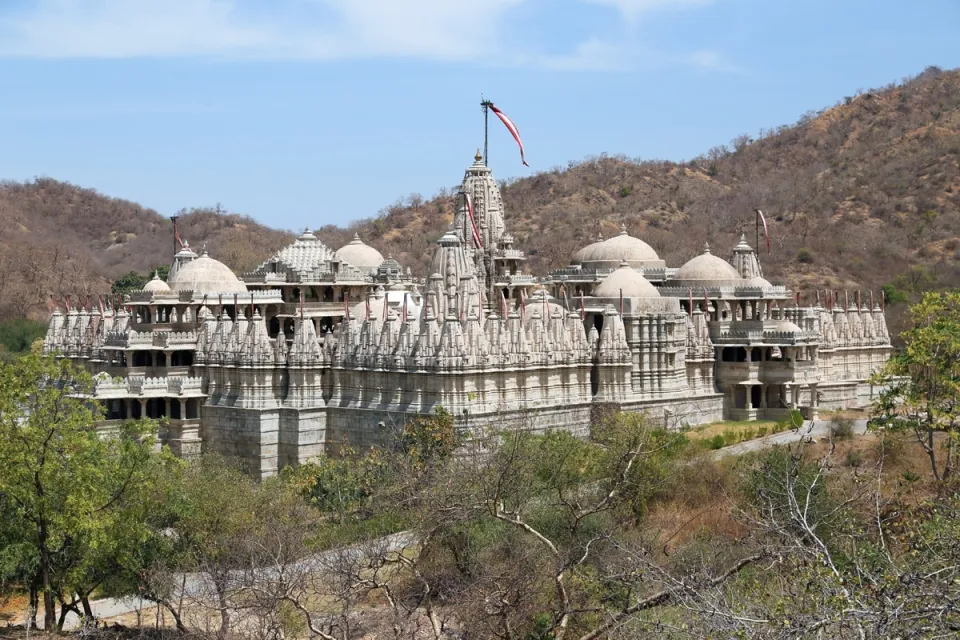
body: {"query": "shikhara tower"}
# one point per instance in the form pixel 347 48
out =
pixel 498 265
pixel 317 350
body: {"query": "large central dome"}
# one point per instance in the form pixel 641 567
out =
pixel 206 275
pixel 622 247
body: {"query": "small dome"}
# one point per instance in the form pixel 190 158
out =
pixel 622 246
pixel 707 268
pixel 156 285
pixel 785 326
pixel 759 281
pixel 206 275
pixel 627 280
pixel 360 255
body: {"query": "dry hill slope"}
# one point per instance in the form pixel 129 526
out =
pixel 856 195
pixel 862 194
pixel 57 239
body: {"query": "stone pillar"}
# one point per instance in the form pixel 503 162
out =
pixel 763 396
pixel 128 405
pixel 143 408
pixel 166 407
pixel 183 409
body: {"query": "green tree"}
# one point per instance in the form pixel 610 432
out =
pixel 69 493
pixel 18 334
pixel 922 383
pixel 130 281
pixel 163 271
pixel 214 506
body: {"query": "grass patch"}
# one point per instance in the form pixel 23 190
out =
pixel 729 432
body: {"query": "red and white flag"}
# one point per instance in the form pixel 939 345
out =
pixel 766 232
pixel 477 241
pixel 513 130
pixel 176 233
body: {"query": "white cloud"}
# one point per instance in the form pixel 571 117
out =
pixel 310 29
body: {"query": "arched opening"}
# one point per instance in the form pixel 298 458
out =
pixel 273 327
pixel 328 294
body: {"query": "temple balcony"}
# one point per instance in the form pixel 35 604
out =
pixel 313 309
pixel 722 336
pixel 778 292
pixel 107 387
pixel 167 340
pixel 768 372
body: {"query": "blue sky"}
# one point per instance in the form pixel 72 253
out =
pixel 308 112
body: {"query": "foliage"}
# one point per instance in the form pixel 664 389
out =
pixel 18 334
pixel 921 384
pixel 72 497
pixel 128 282
pixel 342 486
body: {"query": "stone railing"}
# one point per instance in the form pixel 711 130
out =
pixel 740 336
pixel 189 297
pixel 778 291
pixel 150 340
pixel 518 278
pixel 140 386
pixel 326 308
pixel 174 339
pixel 160 297
pixel 575 273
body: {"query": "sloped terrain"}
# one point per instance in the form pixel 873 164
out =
pixel 859 195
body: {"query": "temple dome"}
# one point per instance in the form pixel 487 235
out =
pixel 360 254
pixel 707 268
pixel 581 255
pixel 206 275
pixel 156 285
pixel 759 281
pixel 628 280
pixel 785 326
pixel 621 247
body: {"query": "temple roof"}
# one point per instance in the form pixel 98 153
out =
pixel 359 254
pixel 206 275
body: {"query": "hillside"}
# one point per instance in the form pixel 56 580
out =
pixel 57 239
pixel 863 194
pixel 855 195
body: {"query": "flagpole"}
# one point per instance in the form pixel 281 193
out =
pixel 486 129
pixel 176 249
pixel 756 225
